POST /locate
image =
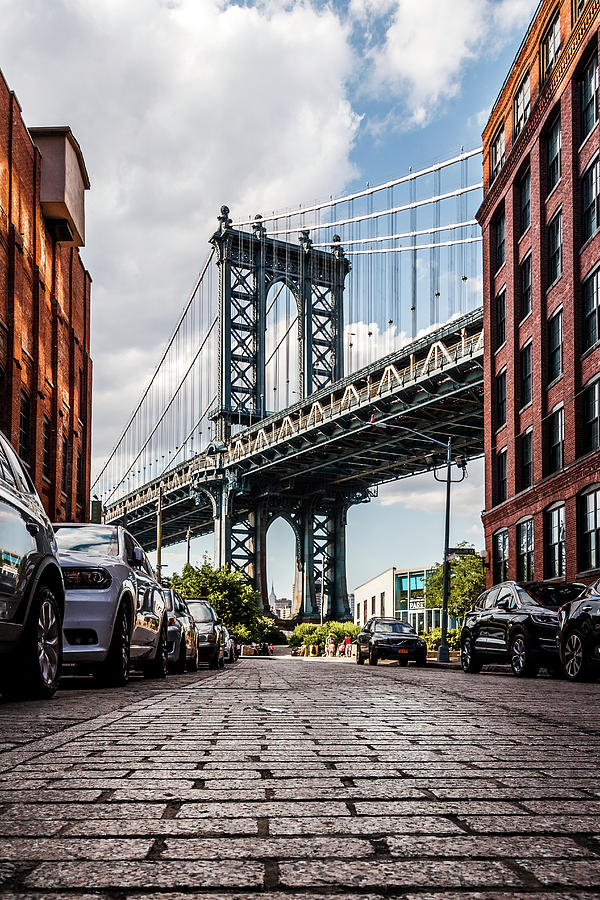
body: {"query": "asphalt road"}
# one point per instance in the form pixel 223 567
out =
pixel 301 779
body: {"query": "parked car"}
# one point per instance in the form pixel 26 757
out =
pixel 32 596
pixel 211 636
pixel 578 638
pixel 390 639
pixel 181 634
pixel 115 612
pixel 228 647
pixel 516 622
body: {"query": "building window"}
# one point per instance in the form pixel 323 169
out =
pixel 525 370
pixel 526 457
pixel 555 248
pixel 525 287
pixel 3 394
pixel 525 202
pixel 500 556
pixel 555 346
pixel 46 445
pixel 591 199
pixel 589 97
pixel 25 428
pixel 522 104
pixel 550 46
pixel 65 465
pixel 500 241
pixel 591 417
pixel 577 8
pixel 554 146
pixel 589 529
pixel 500 318
pixel 556 440
pixel 501 399
pixel 372 606
pixel 501 486
pixel 555 551
pixel 79 481
pixel 591 309
pixel 525 550
pixel 497 153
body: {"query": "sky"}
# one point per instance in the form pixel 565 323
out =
pixel 183 105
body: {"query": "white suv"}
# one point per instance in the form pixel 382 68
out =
pixel 115 611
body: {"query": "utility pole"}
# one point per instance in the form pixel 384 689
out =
pixel 443 652
pixel 187 549
pixel 159 533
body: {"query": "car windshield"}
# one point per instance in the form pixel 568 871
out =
pixel 200 611
pixel 548 594
pixel 394 627
pixel 95 541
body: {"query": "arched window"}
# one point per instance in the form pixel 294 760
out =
pixel 525 550
pixel 500 555
pixel 589 529
pixel 555 558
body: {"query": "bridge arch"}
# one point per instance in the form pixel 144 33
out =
pixel 283 536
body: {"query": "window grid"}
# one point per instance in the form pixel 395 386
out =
pixel 525 553
pixel 501 399
pixel 525 287
pixel 554 160
pixel 526 455
pixel 577 8
pixel 24 427
pixel 65 465
pixel 522 104
pixel 500 318
pixel 590 187
pixel 591 417
pixel 500 235
pixel 525 202
pixel 589 97
pixel 555 346
pixel 497 153
pixel 555 248
pixel 556 440
pixel 591 310
pixel 501 485
pixel 555 550
pixel 79 480
pixel 525 369
pixel 590 530
pixel 500 556
pixel 46 442
pixel 550 46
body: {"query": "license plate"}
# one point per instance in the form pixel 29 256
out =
pixel 402 650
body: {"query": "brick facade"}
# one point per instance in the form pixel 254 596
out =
pixel 45 365
pixel 556 94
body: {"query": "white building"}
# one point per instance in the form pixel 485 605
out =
pixel 398 594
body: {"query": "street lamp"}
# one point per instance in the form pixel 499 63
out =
pixel 443 651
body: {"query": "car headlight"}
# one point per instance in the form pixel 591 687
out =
pixel 544 619
pixel 78 579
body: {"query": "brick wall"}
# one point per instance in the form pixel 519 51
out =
pixel 44 326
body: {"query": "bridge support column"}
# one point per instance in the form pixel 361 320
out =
pixel 322 553
pixel 222 533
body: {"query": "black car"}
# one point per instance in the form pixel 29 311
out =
pixel 32 594
pixel 211 636
pixel 516 622
pixel 390 639
pixel 578 637
pixel 182 634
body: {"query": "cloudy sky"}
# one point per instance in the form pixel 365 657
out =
pixel 182 105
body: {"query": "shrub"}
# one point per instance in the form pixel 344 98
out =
pixel 433 638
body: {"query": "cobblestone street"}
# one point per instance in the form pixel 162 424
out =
pixel 294 778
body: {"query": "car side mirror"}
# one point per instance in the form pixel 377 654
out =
pixel 503 603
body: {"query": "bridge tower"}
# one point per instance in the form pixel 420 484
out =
pixel 249 264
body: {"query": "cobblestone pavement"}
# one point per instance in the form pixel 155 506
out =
pixel 291 779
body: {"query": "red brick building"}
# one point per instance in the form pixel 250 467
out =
pixel 540 218
pixel 45 366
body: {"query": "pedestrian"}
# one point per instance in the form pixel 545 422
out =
pixel 271 649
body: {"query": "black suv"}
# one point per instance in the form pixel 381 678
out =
pixel 578 637
pixel 32 594
pixel 390 639
pixel 516 622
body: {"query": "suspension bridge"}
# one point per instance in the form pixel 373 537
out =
pixel 320 351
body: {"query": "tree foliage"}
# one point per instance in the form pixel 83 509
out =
pixel 433 638
pixel 467 582
pixel 312 633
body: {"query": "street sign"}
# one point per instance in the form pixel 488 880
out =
pixel 461 551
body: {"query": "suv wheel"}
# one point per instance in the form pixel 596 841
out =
pixel 521 658
pixel 468 660
pixel 373 658
pixel 159 666
pixel 114 671
pixel 213 662
pixel 179 664
pixel 574 657
pixel 35 671
pixel 360 660
pixel 193 662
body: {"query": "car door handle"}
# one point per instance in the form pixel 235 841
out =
pixel 586 608
pixel 33 528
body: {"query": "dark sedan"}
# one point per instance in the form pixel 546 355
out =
pixel 390 639
pixel 578 638
pixel 516 622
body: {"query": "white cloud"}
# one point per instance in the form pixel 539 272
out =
pixel 425 494
pixel 179 107
pixel 427 45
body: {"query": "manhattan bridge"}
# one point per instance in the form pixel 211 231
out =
pixel 321 349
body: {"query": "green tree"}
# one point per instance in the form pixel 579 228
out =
pixel 467 582
pixel 311 633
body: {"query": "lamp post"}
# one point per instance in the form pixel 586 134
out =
pixel 443 651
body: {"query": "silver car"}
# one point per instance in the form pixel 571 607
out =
pixel 115 611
